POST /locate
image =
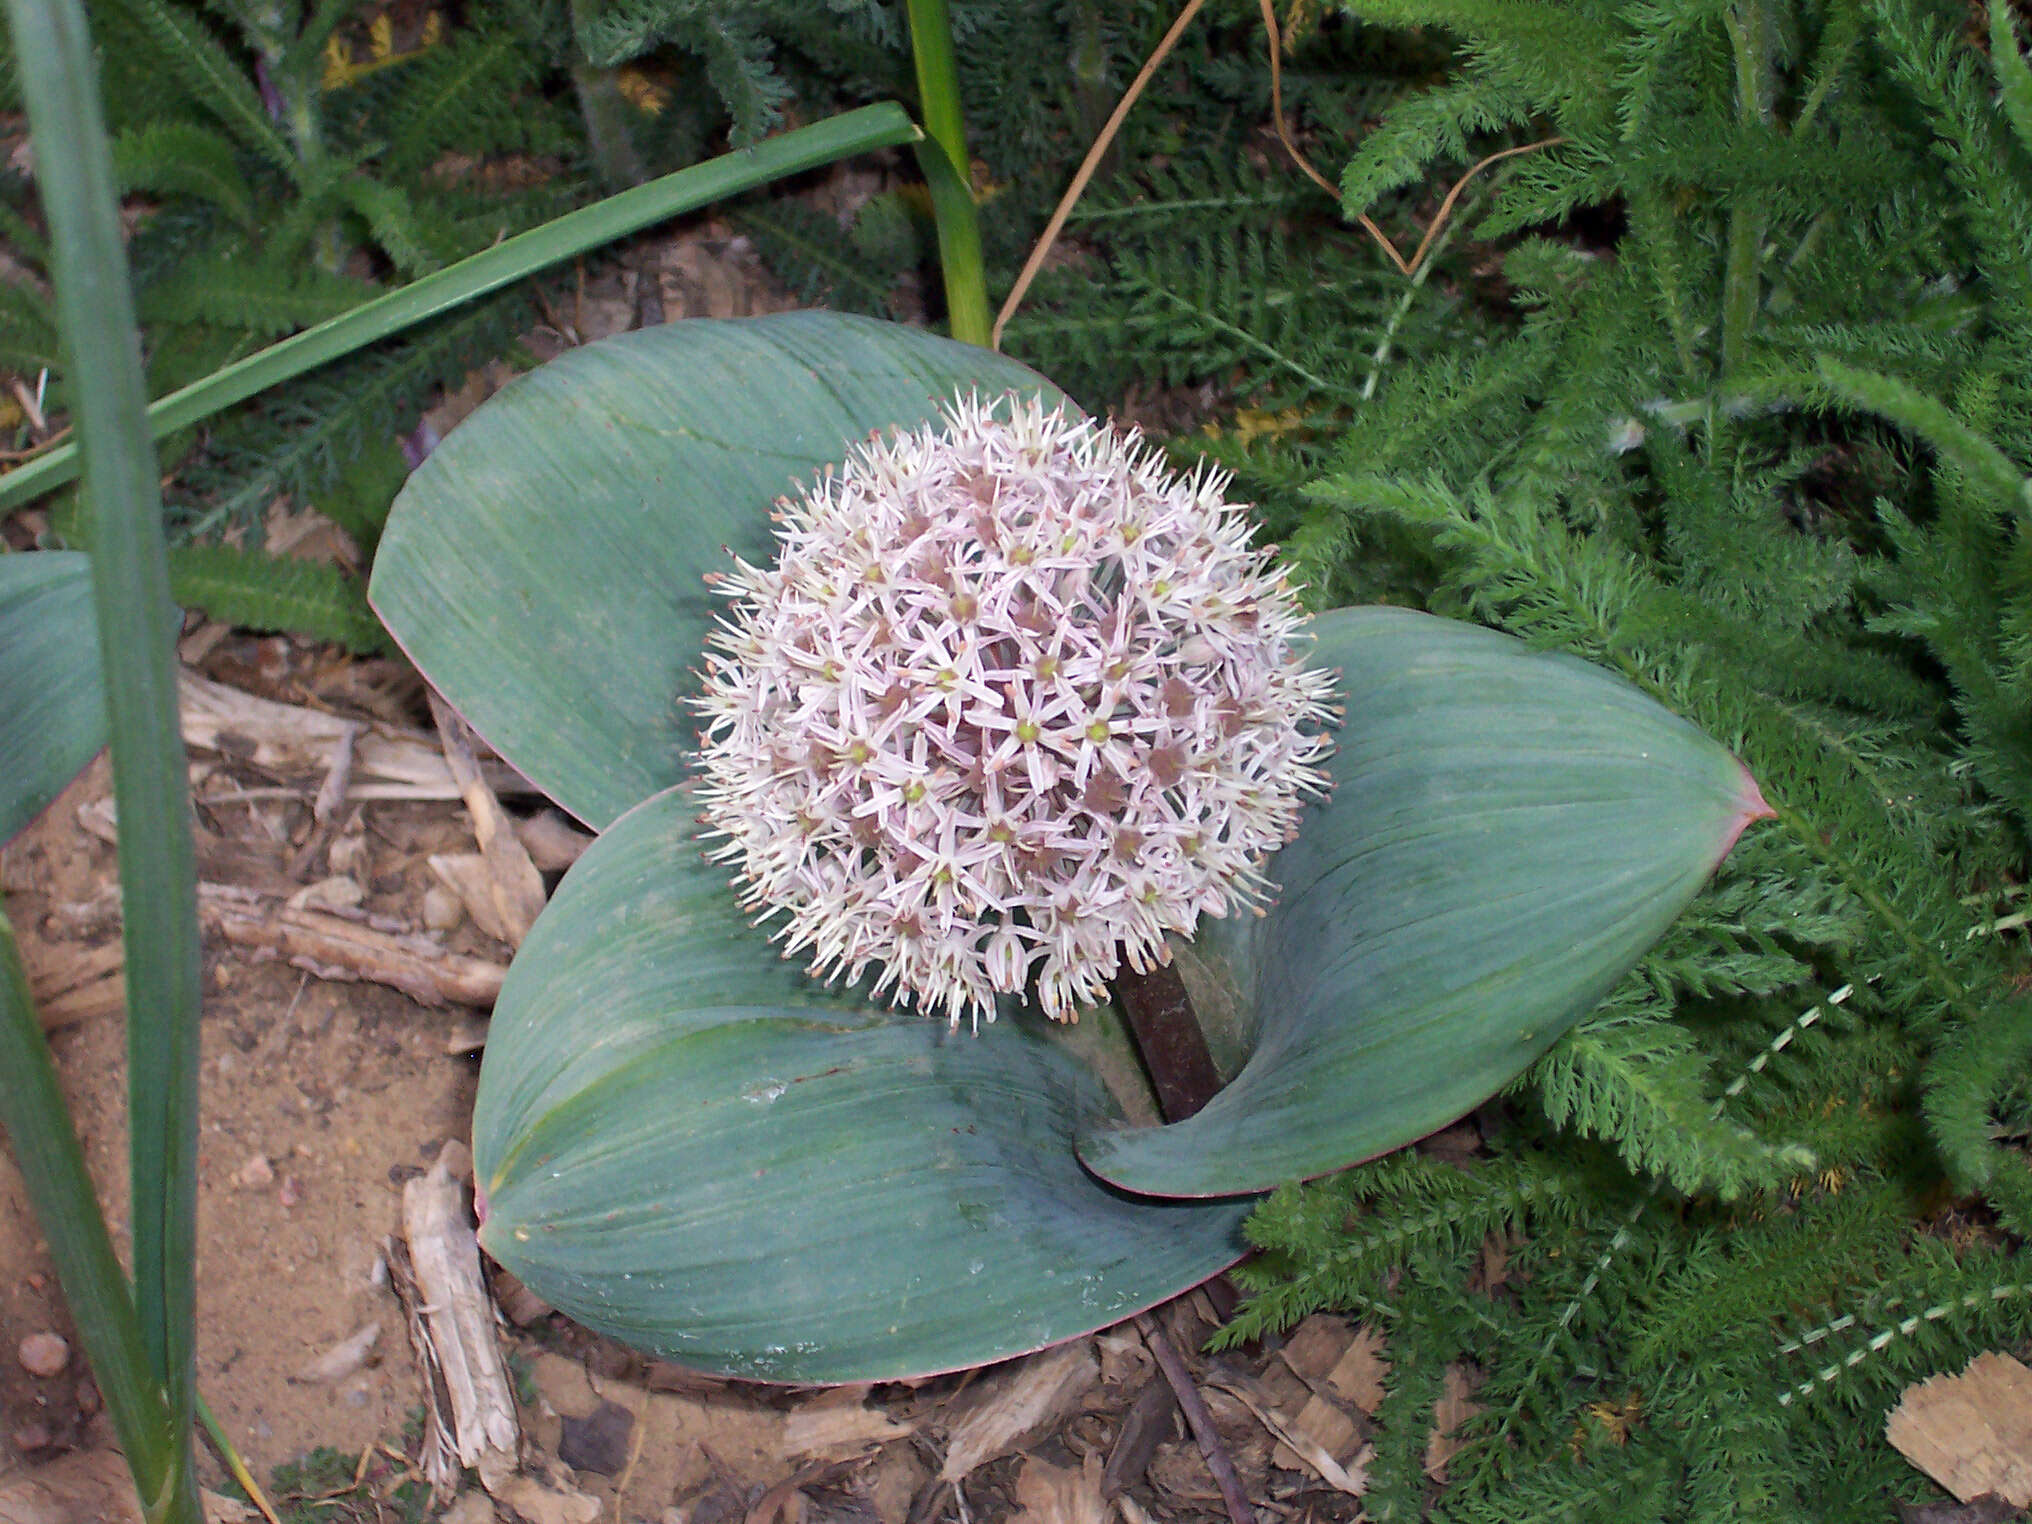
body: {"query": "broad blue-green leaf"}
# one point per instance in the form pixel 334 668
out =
pixel 687 1144
pixel 1509 831
pixel 52 703
pixel 544 567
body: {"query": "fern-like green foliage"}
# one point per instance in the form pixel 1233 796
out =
pixel 1753 427
pixel 735 42
pixel 858 273
pixel 263 592
pixel 282 190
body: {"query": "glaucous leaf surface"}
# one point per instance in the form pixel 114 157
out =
pixel 687 1144
pixel 52 701
pixel 1509 831
pixel 544 567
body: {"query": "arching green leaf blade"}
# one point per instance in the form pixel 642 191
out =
pixel 1509 831
pixel 52 701
pixel 687 1144
pixel 544 567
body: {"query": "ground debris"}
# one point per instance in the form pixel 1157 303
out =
pixel 342 1359
pixel 836 1425
pixel 599 1441
pixel 338 947
pixel 1048 1494
pixel 1021 1401
pixel 294 742
pixel 451 1323
pixel 44 1354
pixel 1449 1414
pixel 501 888
pixel 1971 1433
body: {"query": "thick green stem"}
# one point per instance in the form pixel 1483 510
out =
pixel 1739 290
pixel 1749 28
pixel 272 30
pixel 1092 97
pixel 605 112
pixel 137 625
pixel 45 1149
pixel 945 164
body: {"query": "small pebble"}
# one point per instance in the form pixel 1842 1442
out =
pixel 335 893
pixel 348 855
pixel 471 1508
pixel 89 1402
pixel 442 910
pixel 291 1192
pixel 44 1354
pixel 255 1175
pixel 33 1436
pixel 598 1443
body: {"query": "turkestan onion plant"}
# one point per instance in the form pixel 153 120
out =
pixel 915 711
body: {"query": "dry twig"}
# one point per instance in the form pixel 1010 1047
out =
pixel 451 1323
pixel 331 798
pixel 506 895
pixel 1087 167
pixel 336 947
pixel 294 742
pixel 1198 1419
pixel 1406 267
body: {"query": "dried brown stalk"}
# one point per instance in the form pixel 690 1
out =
pixel 1087 167
pixel 336 947
pixel 1105 139
pixel 1199 1420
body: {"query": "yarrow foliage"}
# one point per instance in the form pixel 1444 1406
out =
pixel 1015 699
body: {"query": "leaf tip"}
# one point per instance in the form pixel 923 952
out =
pixel 1751 807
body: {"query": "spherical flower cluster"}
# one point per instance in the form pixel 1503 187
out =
pixel 1014 701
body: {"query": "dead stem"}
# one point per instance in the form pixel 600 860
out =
pixel 1199 1419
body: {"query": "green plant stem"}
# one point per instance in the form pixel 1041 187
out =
pixel 605 113
pixel 1749 39
pixel 1169 1039
pixel 137 624
pixel 945 164
pixel 879 126
pixel 235 1463
pixel 45 1149
pixel 1092 99
pixel 295 85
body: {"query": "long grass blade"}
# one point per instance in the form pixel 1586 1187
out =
pixel 880 126
pixel 45 1149
pixel 137 621
pixel 943 158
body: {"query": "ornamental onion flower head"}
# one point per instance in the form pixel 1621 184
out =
pixel 1015 701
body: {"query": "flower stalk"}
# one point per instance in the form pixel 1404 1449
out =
pixel 1159 1013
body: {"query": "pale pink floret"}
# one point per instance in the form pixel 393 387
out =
pixel 1014 701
